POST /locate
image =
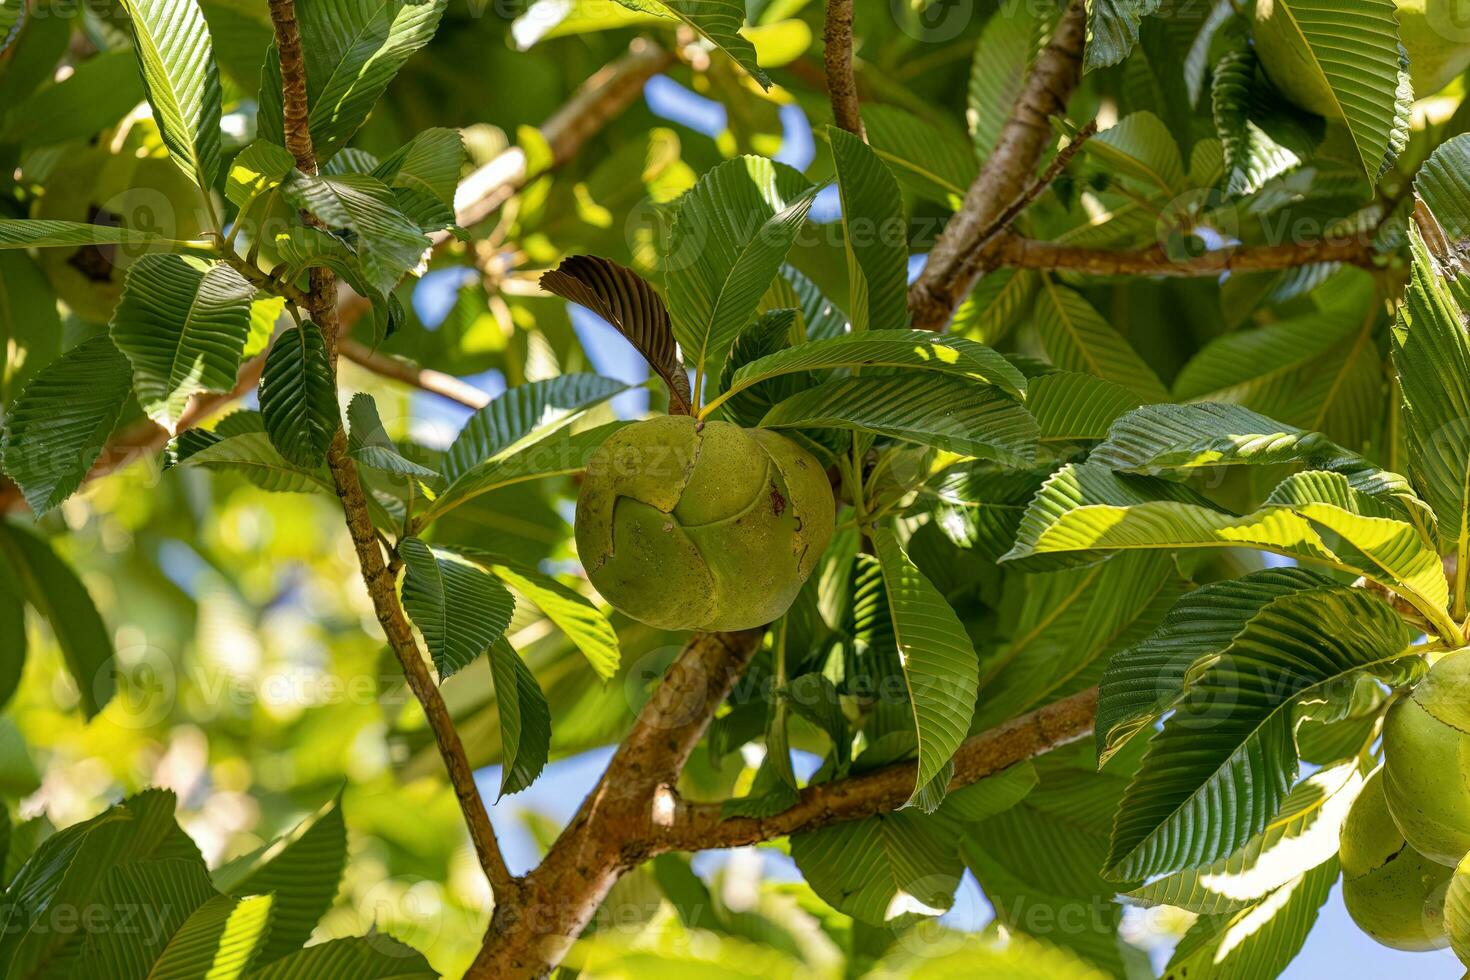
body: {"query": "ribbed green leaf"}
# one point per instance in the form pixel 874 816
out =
pixel 459 607
pixel 558 455
pixel 1299 838
pixel 937 410
pixel 572 613
pixel 353 49
pixel 59 424
pixel 1140 147
pixel 55 592
pixel 298 396
pixel 979 505
pixel 300 871
pixel 881 870
pixel 1147 679
pixel 1318 371
pixel 377 957
pixel 389 243
pixel 1226 758
pixel 219 941
pixel 1432 355
pixel 1000 301
pixel 823 320
pixel 1371 534
pixel 1441 184
pixel 69 870
pixel 25 233
pixel 182 323
pixel 628 302
pixel 151 900
pixel 1037 862
pixel 928 156
pixel 939 663
pixel 520 416
pixel 525 719
pixel 176 57
pixel 368 442
pixel 1077 338
pixel 429 164
pixel 1112 30
pixel 1252 157
pixel 1178 439
pixel 1072 407
pixel 772 332
pixel 875 232
pixel 256 171
pixel 1343 62
pixel 730 236
pixel 717 21
pixel 1259 941
pixel 1060 628
pixel 921 350
pixel 1084 511
pixel 252 455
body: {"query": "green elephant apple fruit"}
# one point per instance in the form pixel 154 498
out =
pixel 1393 893
pixel 1435 33
pixel 1426 753
pixel 686 525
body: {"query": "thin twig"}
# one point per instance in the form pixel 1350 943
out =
pixel 1024 200
pixel 837 55
pixel 322 304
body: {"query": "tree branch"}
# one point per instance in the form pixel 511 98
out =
pixel 947 274
pixel 603 96
pixel 837 55
pixel 398 369
pixel 1023 253
pixel 380 582
pixel 616 824
pixel 700 826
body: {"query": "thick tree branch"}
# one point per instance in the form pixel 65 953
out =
pixel 1023 253
pixel 1003 177
pixel 381 586
pixel 837 55
pixel 614 829
pixel 697 827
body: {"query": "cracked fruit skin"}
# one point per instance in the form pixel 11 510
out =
pixel 1435 33
pixel 1394 894
pixel 1426 753
pixel 712 527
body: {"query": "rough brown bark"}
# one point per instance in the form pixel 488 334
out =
pixel 381 586
pixel 1024 253
pixel 837 56
pixel 620 819
pixel 948 273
